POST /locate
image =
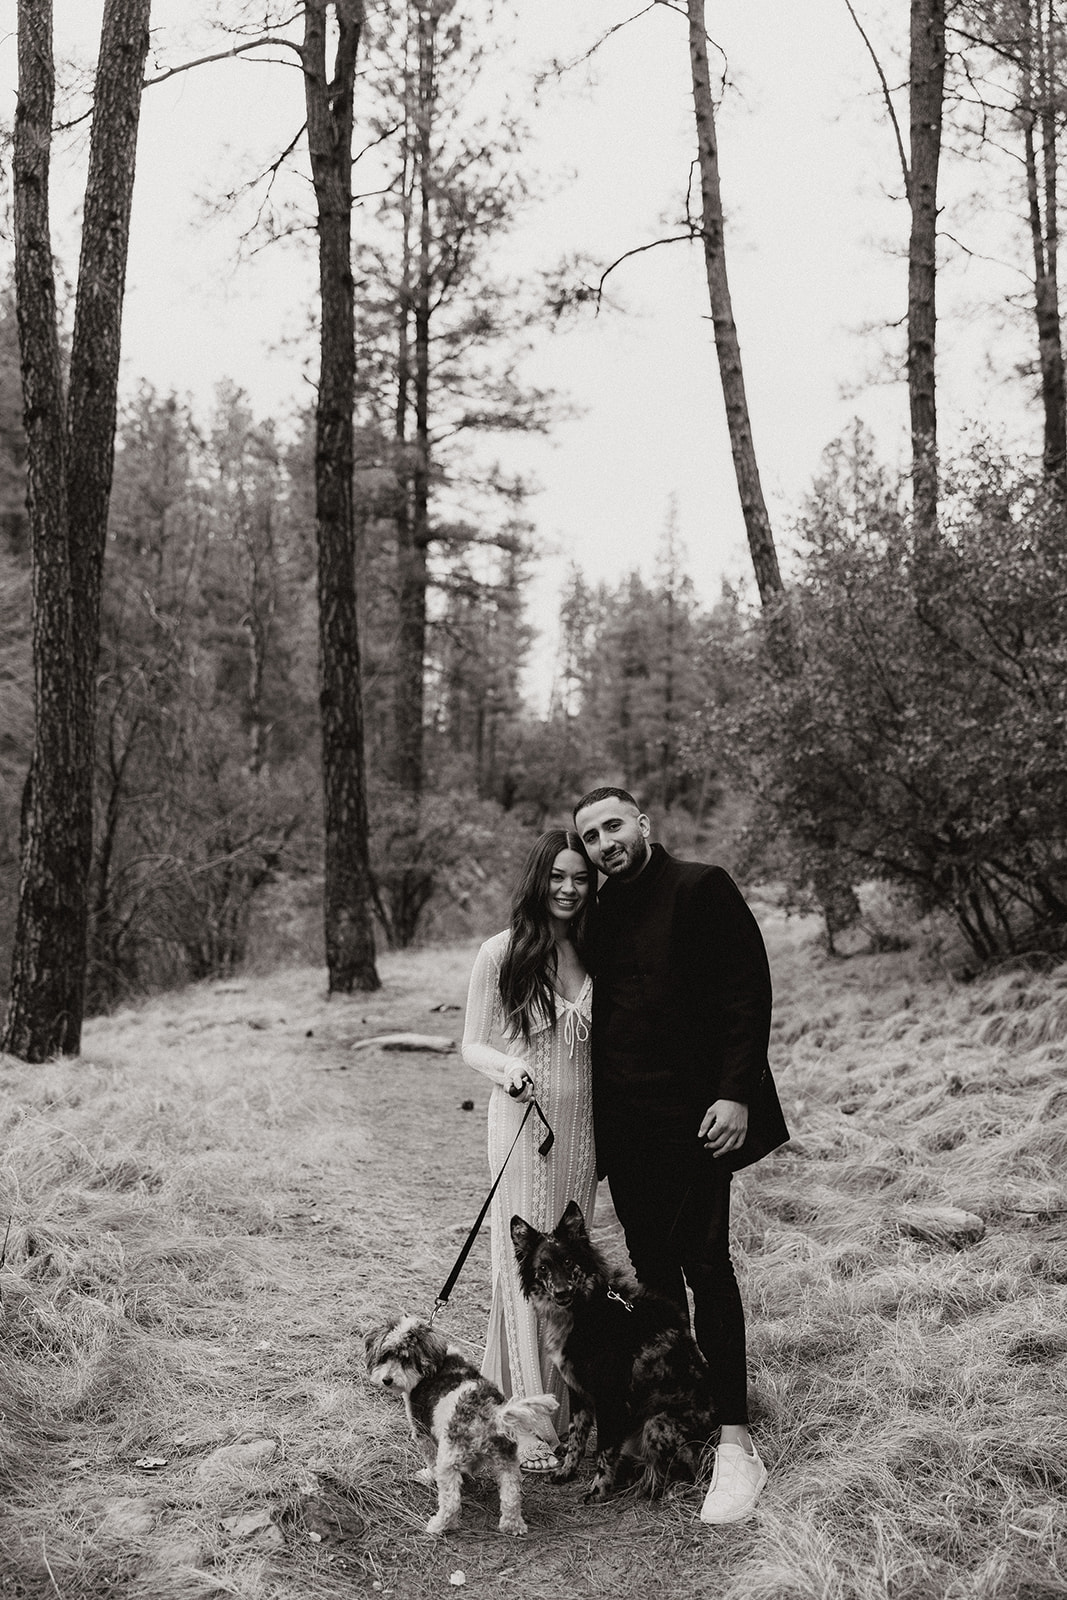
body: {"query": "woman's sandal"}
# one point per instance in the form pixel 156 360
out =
pixel 541 1458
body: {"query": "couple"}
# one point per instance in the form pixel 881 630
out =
pixel 671 1065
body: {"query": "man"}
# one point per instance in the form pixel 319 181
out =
pixel 682 1093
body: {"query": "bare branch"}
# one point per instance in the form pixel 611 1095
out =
pixel 886 96
pixel 993 45
pixel 270 175
pixel 679 238
pixel 65 127
pixel 385 135
pixel 978 255
pixel 267 41
pixel 558 68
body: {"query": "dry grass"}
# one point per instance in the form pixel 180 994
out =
pixel 211 1204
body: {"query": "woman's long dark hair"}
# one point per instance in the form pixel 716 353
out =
pixel 529 964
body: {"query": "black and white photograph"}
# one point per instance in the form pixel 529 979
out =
pixel 533 800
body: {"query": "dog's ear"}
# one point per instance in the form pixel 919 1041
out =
pixel 372 1343
pixel 427 1349
pixel 571 1224
pixel 523 1237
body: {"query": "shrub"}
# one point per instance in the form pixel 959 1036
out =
pixel 446 859
pixel 923 739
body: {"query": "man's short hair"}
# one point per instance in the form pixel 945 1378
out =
pixel 596 795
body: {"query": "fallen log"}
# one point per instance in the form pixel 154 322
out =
pixel 407 1041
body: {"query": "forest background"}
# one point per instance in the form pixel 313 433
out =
pixel 891 711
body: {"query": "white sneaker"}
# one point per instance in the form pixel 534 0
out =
pixel 736 1484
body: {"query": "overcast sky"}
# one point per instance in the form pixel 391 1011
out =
pixel 811 185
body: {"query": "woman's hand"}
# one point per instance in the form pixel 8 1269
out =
pixel 518 1083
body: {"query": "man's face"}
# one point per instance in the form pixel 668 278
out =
pixel 615 835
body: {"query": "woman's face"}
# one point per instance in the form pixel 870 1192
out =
pixel 568 886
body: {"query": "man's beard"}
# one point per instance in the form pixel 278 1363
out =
pixel 626 860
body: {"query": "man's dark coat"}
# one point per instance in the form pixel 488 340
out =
pixel 681 1012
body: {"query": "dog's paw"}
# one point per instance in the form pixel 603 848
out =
pixel 439 1524
pixel 604 1478
pixel 513 1525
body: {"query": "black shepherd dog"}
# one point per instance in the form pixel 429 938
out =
pixel 627 1355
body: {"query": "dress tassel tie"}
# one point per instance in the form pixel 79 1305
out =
pixel 575 1028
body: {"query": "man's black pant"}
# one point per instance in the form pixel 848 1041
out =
pixel 674 1205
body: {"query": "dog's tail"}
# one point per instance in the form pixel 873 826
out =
pixel 528 1413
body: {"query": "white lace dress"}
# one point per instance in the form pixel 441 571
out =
pixel 537 1188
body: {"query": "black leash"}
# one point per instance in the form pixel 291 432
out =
pixel 542 1150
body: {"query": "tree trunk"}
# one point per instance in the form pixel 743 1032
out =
pixel 1039 105
pixel 926 104
pixel 70 458
pixel 348 887
pixel 413 527
pixel 404 757
pixel 753 506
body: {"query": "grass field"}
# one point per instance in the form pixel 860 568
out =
pixel 210 1206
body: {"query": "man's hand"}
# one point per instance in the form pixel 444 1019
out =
pixel 724 1127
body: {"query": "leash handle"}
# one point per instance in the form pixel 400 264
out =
pixel 543 1148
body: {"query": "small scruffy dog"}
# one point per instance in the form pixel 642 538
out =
pixel 460 1421
pixel 626 1354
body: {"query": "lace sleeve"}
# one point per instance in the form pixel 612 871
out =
pixel 483 1015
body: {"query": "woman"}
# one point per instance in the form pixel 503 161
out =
pixel 530 991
